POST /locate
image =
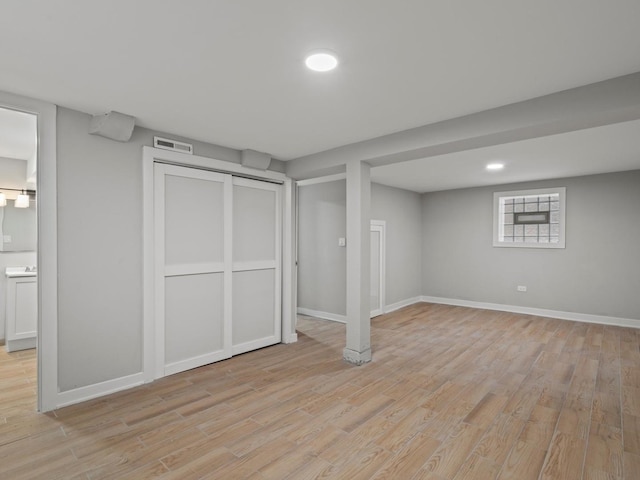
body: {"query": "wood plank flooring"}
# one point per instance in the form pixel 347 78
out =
pixel 452 393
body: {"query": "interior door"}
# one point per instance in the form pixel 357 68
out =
pixel 256 265
pixel 193 277
pixel 377 286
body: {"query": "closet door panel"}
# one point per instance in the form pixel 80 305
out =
pixel 193 268
pixel 256 265
pixel 194 221
pixel 254 223
pixel 194 319
pixel 253 307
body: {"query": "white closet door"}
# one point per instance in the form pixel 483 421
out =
pixel 256 265
pixel 193 276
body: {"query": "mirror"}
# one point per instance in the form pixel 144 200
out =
pixel 18 228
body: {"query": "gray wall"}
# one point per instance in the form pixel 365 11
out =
pixel 597 273
pixel 322 263
pixel 100 249
pixel 401 210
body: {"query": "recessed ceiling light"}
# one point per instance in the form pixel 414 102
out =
pixel 495 166
pixel 321 61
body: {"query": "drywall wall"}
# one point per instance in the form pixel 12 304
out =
pixel 597 273
pixel 100 249
pixel 401 210
pixel 322 263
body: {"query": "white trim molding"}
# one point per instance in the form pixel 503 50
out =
pixel 401 304
pixel 334 317
pixel 539 312
pixel 325 179
pixel 82 394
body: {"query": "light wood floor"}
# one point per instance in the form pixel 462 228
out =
pixel 452 393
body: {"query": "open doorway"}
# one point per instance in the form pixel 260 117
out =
pixel 377 271
pixel 18 251
pixel 42 184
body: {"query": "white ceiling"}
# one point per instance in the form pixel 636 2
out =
pixel 612 148
pixel 232 73
pixel 17 134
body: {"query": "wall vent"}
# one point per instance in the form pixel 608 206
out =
pixel 167 144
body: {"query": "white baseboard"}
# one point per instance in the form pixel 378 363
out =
pixel 83 394
pixel 401 304
pixel 20 344
pixel 334 317
pixel 540 312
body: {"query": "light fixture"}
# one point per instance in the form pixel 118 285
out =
pixel 495 166
pixel 3 200
pixel 321 61
pixel 22 200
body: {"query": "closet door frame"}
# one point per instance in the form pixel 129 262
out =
pixel 150 156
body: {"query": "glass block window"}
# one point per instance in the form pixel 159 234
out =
pixel 529 218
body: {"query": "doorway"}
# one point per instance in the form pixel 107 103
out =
pixel 18 238
pixel 42 179
pixel 378 255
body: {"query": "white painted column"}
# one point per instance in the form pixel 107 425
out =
pixel 358 349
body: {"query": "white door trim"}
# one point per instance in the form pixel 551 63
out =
pixel 151 155
pixel 47 351
pixel 381 227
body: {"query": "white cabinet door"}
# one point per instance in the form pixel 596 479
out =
pixel 22 313
pixel 218 266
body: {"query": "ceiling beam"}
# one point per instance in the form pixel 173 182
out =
pixel 603 103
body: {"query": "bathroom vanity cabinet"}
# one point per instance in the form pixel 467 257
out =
pixel 22 309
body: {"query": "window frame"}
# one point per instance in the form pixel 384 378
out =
pixel 498 227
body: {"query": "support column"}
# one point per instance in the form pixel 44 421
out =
pixel 358 349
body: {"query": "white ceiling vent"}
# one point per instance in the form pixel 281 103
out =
pixel 167 144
